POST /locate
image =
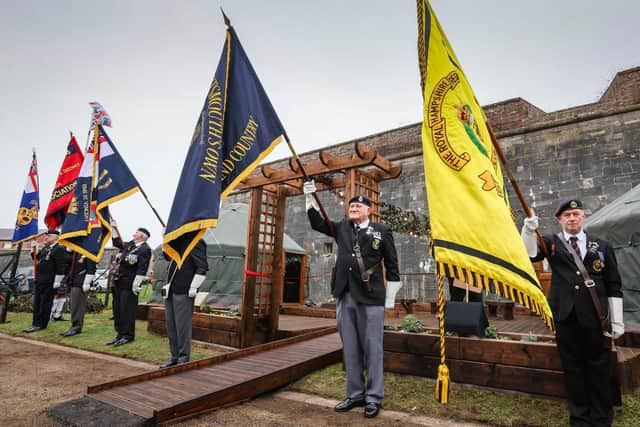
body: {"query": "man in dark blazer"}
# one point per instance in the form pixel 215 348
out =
pixel 586 360
pixel 51 264
pixel 363 247
pixel 179 293
pixel 81 274
pixel 135 256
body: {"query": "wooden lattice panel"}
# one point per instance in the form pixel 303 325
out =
pixel 266 241
pixel 361 183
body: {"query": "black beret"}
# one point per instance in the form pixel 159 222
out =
pixel 360 199
pixel 145 231
pixel 568 204
pixel 53 231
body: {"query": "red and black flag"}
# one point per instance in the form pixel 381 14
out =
pixel 65 185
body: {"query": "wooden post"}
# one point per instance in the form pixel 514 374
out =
pixel 247 318
pixel 277 269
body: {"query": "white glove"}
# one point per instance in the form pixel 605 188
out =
pixel 57 281
pixel 135 288
pixel 165 291
pixel 308 189
pixel 617 321
pixel 113 222
pixel 528 234
pixel 392 290
pixel 531 223
pixel 86 285
pixel 34 244
pixel 195 285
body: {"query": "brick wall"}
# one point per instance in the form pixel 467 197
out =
pixel 591 152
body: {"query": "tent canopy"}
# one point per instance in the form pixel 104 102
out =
pixel 619 223
pixel 226 246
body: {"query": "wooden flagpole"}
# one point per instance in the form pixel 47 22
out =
pixel 516 187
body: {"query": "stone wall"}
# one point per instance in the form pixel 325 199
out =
pixel 591 152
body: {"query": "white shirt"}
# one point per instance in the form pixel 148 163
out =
pixel 362 225
pixel 582 241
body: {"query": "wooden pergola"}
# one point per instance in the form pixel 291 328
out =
pixel 358 173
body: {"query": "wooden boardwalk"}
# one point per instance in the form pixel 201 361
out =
pixel 189 389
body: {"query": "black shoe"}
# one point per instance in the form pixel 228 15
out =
pixel 70 333
pixel 122 341
pixel 32 329
pixel 348 404
pixel 371 410
pixel 169 363
pixel 113 341
pixel 182 360
pixel 59 319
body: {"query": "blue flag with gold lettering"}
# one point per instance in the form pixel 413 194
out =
pixel 27 220
pixel 236 129
pixel 104 178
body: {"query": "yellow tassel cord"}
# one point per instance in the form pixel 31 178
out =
pixel 442 383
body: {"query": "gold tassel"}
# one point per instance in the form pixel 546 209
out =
pixel 442 384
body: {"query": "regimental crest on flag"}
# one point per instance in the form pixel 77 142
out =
pixel 27 218
pixel 100 115
pixel 460 160
pixel 236 129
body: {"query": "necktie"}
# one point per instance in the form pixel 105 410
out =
pixel 574 244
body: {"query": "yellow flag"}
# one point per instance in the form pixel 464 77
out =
pixel 473 233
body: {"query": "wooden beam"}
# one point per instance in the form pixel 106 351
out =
pixel 277 267
pixel 327 158
pixel 247 324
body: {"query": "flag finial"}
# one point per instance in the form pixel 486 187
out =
pixel 227 21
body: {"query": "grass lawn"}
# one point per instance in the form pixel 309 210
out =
pixel 98 330
pixel 416 396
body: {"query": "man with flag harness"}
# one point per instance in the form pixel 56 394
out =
pixel 357 283
pixel 135 256
pixel 586 301
pixel 51 262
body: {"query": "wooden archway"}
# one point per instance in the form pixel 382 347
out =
pixel 358 173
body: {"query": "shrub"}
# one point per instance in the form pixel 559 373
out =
pixel 412 324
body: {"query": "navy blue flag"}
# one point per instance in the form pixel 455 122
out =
pixel 27 220
pixel 236 129
pixel 104 179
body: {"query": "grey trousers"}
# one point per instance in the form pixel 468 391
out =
pixel 78 307
pixel 361 329
pixel 178 312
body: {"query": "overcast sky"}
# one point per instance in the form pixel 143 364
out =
pixel 334 70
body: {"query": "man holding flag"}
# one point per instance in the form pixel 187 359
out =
pixel 236 129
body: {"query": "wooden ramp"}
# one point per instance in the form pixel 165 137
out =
pixel 186 390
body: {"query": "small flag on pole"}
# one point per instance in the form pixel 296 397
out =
pixel 100 115
pixel 27 220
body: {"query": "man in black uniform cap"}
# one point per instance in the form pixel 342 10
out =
pixel 81 274
pixel 51 264
pixel 581 339
pixel 135 256
pixel 357 283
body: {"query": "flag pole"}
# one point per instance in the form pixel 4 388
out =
pixel 150 205
pixel 315 195
pixel 516 187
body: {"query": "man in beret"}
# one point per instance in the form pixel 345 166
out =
pixel 580 336
pixel 357 283
pixel 51 262
pixel 134 258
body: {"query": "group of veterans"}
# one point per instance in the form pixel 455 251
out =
pixel 61 271
pixel 585 299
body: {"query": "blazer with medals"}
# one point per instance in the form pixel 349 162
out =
pixel 52 261
pixel 568 290
pixel 376 246
pixel 134 260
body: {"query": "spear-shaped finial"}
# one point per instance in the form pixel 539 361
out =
pixel 70 134
pixel 227 21
pixel 33 150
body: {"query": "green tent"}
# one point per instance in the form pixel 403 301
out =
pixel 619 223
pixel 225 254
